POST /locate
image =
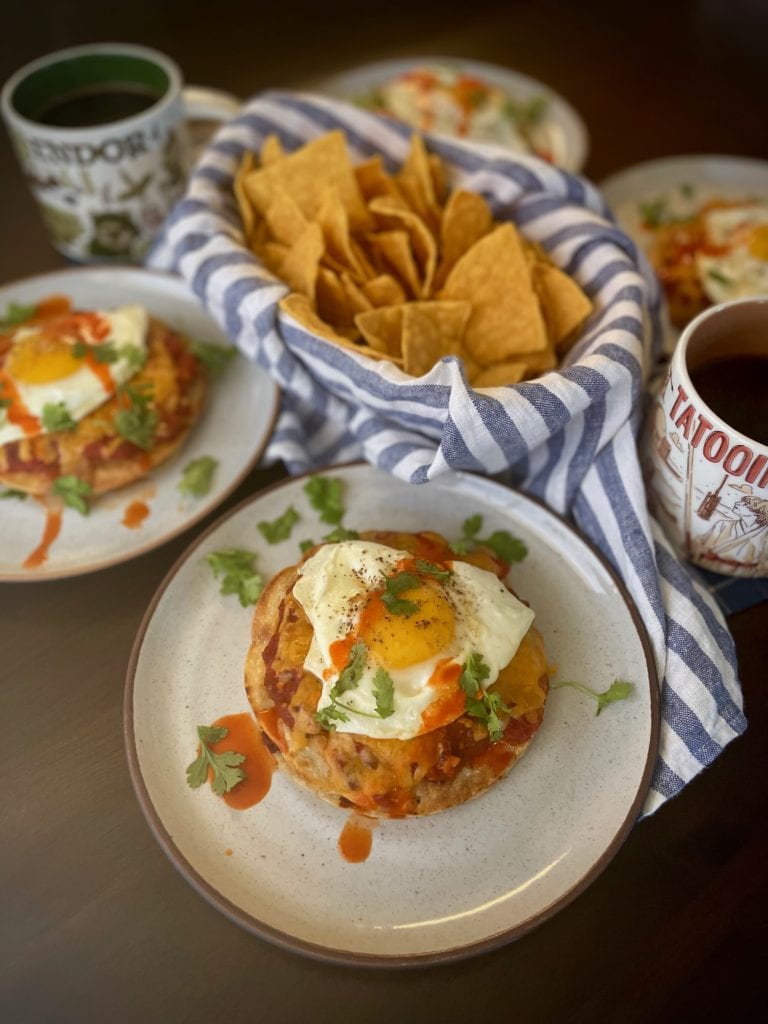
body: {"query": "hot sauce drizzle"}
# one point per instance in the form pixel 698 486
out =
pixel 356 838
pixel 17 412
pixel 244 736
pixel 52 526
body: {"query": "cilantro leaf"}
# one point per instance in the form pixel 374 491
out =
pixel 136 422
pixel 328 716
pixel 506 547
pixel 717 275
pixel 236 567
pixel 494 706
pixel 619 689
pixel 305 545
pixel 213 357
pixel 74 491
pixel 430 569
pixel 384 692
pixel 393 587
pixel 324 493
pixel 11 493
pixel 280 528
pixel 17 314
pixel 56 416
pixel 474 672
pixel 352 671
pixel 472 526
pixel 348 680
pixel 197 475
pixel 654 212
pixel 104 353
pixel 224 766
pixel 481 704
pixel 135 356
pixel 339 534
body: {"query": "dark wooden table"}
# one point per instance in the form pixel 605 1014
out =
pixel 95 924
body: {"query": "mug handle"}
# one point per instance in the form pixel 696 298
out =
pixel 204 104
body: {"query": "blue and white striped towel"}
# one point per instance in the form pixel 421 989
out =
pixel 568 437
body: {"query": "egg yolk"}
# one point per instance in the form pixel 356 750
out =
pixel 758 242
pixel 40 358
pixel 398 641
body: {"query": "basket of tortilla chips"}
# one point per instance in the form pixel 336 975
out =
pixel 424 302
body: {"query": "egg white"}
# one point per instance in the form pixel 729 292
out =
pixel 737 272
pixel 80 392
pixel 332 589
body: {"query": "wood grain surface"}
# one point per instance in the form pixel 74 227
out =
pixel 95 925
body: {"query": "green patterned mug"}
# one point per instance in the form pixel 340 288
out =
pixel 101 135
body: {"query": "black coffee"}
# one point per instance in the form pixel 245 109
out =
pixel 736 388
pixel 96 106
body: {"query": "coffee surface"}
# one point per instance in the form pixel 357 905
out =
pixel 736 388
pixel 96 106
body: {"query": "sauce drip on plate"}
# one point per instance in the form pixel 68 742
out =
pixel 135 514
pixel 244 736
pixel 51 531
pixel 356 838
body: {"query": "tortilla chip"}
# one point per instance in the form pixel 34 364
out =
pixel 393 213
pixel 300 267
pixel 331 299
pixel 466 219
pixel 272 254
pixel 306 174
pixel 247 212
pixel 416 184
pixel 374 180
pixel 367 268
pixel 511 372
pixel 384 290
pixel 300 308
pixel 392 250
pixel 283 218
pixel 438 178
pixel 382 328
pixel 271 150
pixel 506 321
pixel 563 303
pixel 430 331
pixel 357 300
pixel 332 218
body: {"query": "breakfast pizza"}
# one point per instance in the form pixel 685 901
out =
pixel 91 400
pixel 394 676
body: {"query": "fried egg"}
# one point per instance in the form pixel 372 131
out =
pixel 71 364
pixel 454 610
pixel 740 267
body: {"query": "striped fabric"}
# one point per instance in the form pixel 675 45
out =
pixel 568 437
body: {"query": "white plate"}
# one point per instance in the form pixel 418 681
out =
pixel 233 429
pixel 563 128
pixel 436 888
pixel 685 182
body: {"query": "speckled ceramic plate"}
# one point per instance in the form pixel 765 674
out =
pixel 436 888
pixel 562 129
pixel 233 429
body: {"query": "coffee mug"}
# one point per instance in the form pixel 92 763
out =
pixel 705 443
pixel 101 135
